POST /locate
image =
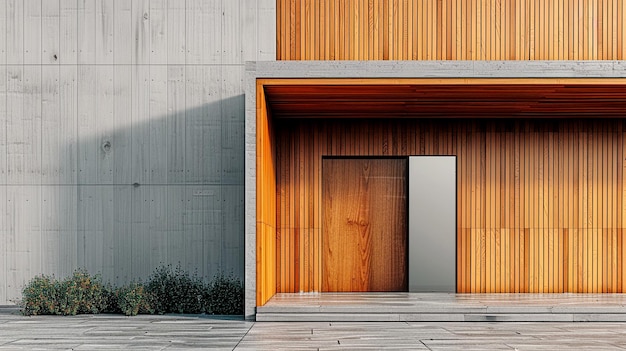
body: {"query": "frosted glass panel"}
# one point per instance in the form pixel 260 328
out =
pixel 432 223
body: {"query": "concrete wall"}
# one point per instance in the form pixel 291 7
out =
pixel 122 135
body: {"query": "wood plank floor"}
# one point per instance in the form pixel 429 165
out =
pixel 442 307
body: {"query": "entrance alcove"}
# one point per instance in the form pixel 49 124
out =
pixel 510 125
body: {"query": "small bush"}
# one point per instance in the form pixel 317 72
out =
pixel 40 296
pixel 175 291
pixel 224 295
pixel 68 297
pixel 111 300
pixel 133 299
pixel 80 293
pixel 88 291
pixel 168 291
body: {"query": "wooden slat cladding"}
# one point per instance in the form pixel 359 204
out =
pixel 521 100
pixel 450 30
pixel 266 204
pixel 364 226
pixel 539 202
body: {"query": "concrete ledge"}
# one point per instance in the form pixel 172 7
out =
pixel 9 309
pixel 520 317
pixel 438 69
pixel 440 317
pixel 434 307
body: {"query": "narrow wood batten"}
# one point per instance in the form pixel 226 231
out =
pixel 450 30
pixel 266 203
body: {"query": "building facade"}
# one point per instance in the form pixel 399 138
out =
pixel 133 134
pixel 527 96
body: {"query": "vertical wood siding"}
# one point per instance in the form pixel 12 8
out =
pixel 267 235
pixel 539 202
pixel 96 95
pixel 450 30
pixel 364 225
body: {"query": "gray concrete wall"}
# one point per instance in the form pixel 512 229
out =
pixel 121 135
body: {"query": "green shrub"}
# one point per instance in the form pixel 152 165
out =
pixel 224 295
pixel 175 291
pixel 88 291
pixel 133 299
pixel 110 294
pixel 168 291
pixel 40 296
pixel 67 297
pixel 79 293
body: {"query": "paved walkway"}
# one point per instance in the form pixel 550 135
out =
pixel 110 332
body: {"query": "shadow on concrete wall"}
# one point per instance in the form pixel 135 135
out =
pixel 168 190
pixel 122 200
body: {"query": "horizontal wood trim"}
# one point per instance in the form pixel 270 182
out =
pixel 450 30
pixel 446 101
pixel 539 202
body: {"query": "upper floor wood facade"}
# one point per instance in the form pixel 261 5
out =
pixel 450 29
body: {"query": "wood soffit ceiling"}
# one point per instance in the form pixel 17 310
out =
pixel 446 101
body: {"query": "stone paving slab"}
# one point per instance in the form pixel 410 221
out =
pixel 112 332
pixel 176 332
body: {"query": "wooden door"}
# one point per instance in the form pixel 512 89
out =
pixel 364 233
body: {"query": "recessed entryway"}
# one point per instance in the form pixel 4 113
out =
pixel 505 158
